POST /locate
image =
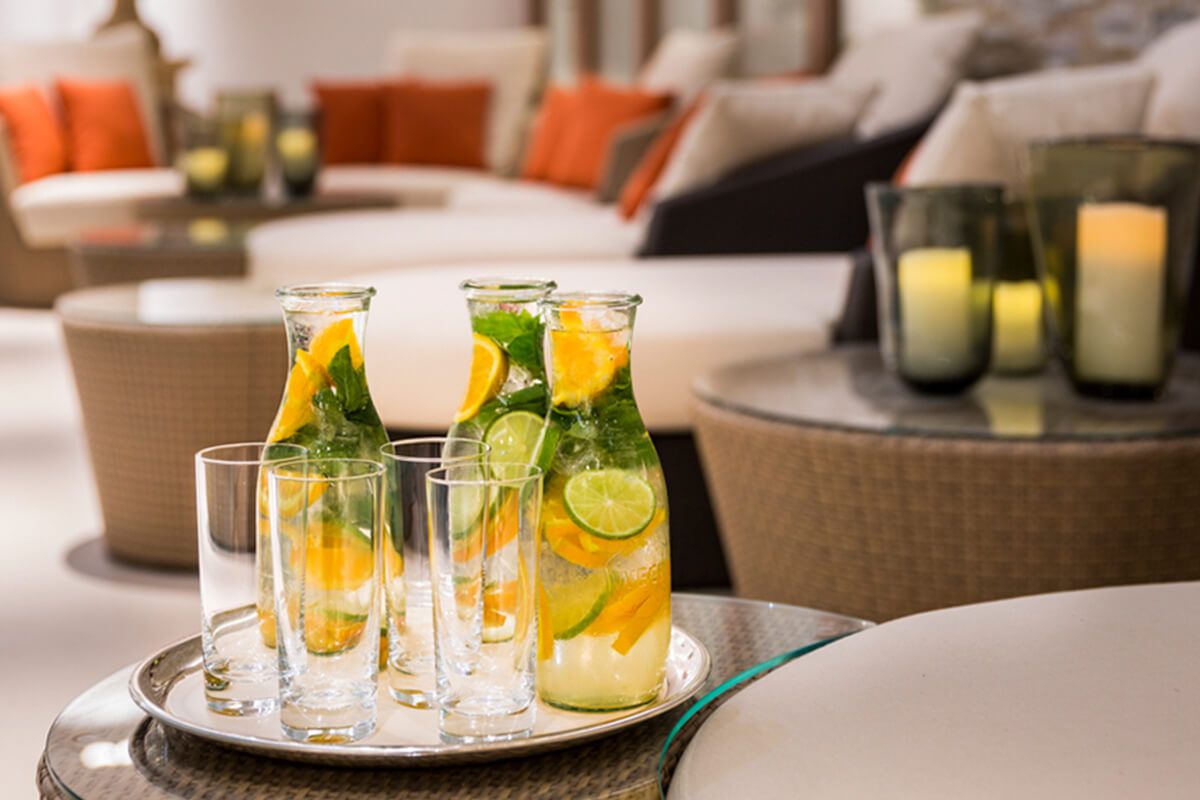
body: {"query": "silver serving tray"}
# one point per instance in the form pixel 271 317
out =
pixel 169 687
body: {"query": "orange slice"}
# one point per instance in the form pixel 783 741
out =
pixel 304 381
pixel 583 362
pixel 328 342
pixel 489 368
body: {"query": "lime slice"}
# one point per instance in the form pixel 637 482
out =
pixel 514 438
pixel 574 606
pixel 610 503
pixel 466 506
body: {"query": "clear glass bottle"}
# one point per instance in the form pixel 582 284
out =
pixel 326 406
pixel 604 594
pixel 505 406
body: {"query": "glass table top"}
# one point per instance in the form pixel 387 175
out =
pixel 205 234
pixel 174 301
pixel 849 388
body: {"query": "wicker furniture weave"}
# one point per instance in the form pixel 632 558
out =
pixel 151 396
pixel 165 763
pixel 880 524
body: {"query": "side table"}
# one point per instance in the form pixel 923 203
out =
pixel 257 208
pixel 130 254
pixel 837 487
pixel 103 746
pixel 164 369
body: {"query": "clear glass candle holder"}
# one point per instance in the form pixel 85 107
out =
pixel 298 153
pixel 1018 303
pixel 936 251
pixel 1114 229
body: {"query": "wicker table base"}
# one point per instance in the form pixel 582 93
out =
pixel 158 763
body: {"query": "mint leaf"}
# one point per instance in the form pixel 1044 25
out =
pixel 349 383
pixel 519 334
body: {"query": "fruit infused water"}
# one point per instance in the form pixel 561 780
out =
pixel 505 406
pixel 326 409
pixel 604 594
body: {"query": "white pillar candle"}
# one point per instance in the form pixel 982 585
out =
pixel 1017 344
pixel 205 167
pixel 934 287
pixel 1119 285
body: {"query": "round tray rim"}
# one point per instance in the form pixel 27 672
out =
pixel 367 755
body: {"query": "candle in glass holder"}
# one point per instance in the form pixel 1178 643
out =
pixel 1121 264
pixel 297 148
pixel 205 168
pixel 935 293
pixel 1017 343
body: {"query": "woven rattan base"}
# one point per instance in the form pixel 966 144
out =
pixel 880 526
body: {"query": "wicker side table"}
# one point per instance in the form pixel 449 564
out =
pixel 153 394
pixel 836 488
pixel 145 252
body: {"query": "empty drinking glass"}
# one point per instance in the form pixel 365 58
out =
pixel 326 522
pixel 483 523
pixel 239 670
pixel 406 588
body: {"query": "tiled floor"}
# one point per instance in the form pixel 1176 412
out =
pixel 68 616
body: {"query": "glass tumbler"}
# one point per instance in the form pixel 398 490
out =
pixel 239 669
pixel 483 524
pixel 326 521
pixel 936 250
pixel 408 595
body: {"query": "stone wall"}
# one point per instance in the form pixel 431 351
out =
pixel 1028 34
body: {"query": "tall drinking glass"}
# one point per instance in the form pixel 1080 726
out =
pixel 483 524
pixel 407 593
pixel 239 670
pixel 326 522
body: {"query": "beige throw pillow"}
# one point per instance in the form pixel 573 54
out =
pixel 983 134
pixel 913 67
pixel 686 61
pixel 740 123
pixel 1174 58
pixel 511 60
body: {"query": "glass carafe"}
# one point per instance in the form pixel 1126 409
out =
pixel 326 406
pixel 505 406
pixel 605 585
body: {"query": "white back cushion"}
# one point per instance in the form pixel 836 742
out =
pixel 983 133
pixel 740 123
pixel 913 68
pixel 686 61
pixel 511 61
pixel 1174 58
pixel 122 53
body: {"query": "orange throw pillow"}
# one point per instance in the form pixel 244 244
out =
pixel 650 168
pixel 351 124
pixel 435 123
pixel 557 107
pixel 104 125
pixel 600 111
pixel 34 133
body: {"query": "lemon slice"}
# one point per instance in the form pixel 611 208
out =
pixel 610 503
pixel 489 368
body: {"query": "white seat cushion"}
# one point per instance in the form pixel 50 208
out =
pixel 52 211
pixel 913 68
pixel 331 246
pixel 523 195
pixel 1174 58
pixel 510 60
pixel 983 133
pixel 698 313
pixel 413 186
pixel 686 61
